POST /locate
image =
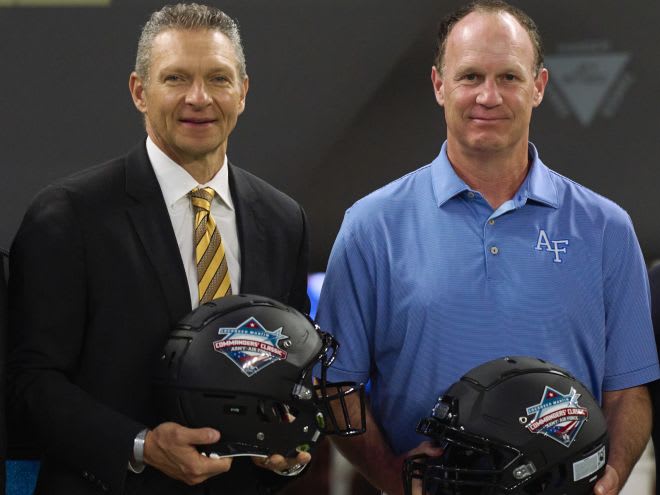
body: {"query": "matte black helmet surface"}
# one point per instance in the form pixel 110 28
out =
pixel 243 364
pixel 515 425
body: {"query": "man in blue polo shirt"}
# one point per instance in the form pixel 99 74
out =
pixel 486 252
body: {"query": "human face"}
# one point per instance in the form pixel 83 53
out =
pixel 488 85
pixel 193 96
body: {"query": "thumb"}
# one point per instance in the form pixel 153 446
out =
pixel 609 483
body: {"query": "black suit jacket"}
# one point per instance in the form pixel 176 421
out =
pixel 96 284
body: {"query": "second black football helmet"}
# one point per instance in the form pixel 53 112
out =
pixel 516 425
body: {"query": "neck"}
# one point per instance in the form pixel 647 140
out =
pixel 203 170
pixel 496 176
pixel 202 167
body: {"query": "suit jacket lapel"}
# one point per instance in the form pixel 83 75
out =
pixel 251 235
pixel 148 212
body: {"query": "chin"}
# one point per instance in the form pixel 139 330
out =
pixel 487 145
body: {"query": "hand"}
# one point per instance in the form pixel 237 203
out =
pixel 170 448
pixel 278 463
pixel 427 448
pixel 609 483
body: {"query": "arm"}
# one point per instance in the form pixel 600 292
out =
pixel 48 301
pixel 372 456
pixel 628 414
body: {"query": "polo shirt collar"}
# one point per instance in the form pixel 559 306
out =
pixel 446 184
pixel 538 185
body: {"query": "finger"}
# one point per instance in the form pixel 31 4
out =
pixel 260 461
pixel 427 447
pixel 215 465
pixel 303 458
pixel 276 462
pixel 416 487
pixel 198 436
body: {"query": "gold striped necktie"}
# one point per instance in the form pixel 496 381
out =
pixel 212 273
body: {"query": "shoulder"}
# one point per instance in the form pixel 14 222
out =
pixel 584 203
pixel 101 178
pixel 394 200
pixel 94 187
pixel 249 186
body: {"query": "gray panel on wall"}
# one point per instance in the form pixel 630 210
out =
pixel 340 99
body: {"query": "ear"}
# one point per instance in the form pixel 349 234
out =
pixel 244 90
pixel 136 87
pixel 540 83
pixel 438 87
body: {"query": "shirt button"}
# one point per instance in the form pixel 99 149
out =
pixel 470 195
pixel 491 222
pixel 494 250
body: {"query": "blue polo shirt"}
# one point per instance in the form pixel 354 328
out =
pixel 426 281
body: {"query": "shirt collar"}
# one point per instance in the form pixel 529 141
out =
pixel 538 184
pixel 175 182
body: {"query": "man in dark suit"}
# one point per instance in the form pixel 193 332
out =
pixel 107 261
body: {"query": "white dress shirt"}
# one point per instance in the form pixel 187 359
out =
pixel 175 184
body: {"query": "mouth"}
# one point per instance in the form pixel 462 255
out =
pixel 197 121
pixel 487 122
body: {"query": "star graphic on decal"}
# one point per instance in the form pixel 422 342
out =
pixel 250 346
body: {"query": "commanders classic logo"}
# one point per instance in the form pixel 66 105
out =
pixel 557 416
pixel 250 346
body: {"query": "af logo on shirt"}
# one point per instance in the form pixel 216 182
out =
pixel 543 243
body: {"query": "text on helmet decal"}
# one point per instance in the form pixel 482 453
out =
pixel 558 416
pixel 250 346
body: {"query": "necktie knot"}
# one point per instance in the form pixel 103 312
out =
pixel 201 198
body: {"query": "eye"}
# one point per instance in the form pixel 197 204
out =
pixel 510 77
pixel 470 77
pixel 173 78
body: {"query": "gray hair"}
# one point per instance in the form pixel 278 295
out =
pixel 187 16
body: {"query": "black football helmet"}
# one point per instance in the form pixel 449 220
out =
pixel 243 364
pixel 516 425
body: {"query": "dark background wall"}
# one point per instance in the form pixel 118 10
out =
pixel 340 98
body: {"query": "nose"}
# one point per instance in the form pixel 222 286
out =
pixel 489 94
pixel 197 94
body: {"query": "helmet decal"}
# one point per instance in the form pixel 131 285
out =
pixel 558 416
pixel 250 346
